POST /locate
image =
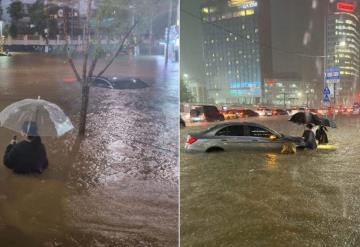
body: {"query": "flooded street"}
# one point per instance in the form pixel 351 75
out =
pixel 259 198
pixel 119 186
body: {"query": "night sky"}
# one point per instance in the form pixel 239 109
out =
pixel 291 19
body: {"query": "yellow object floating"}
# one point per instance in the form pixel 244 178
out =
pixel 326 147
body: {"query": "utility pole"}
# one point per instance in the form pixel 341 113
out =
pixel 151 30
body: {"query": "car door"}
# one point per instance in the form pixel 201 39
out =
pixel 231 137
pixel 262 138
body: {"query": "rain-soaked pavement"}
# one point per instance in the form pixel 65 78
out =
pixel 267 199
pixel 119 186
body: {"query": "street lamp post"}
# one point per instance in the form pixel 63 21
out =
pixel 1 28
pixel 168 32
pixel 2 39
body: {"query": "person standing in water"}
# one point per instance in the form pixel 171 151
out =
pixel 28 156
pixel 309 137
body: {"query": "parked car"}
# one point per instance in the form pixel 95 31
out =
pixel 208 113
pixel 238 136
pixel 263 111
pixel 118 82
pixel 229 114
pixel 279 111
pixel 245 113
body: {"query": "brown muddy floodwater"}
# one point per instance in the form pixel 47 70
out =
pixel 118 187
pixel 265 199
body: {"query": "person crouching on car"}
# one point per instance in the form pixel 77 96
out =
pixel 309 137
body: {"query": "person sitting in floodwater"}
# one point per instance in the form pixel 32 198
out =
pixel 309 137
pixel 321 135
pixel 28 156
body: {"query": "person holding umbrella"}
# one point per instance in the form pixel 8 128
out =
pixel 28 156
pixel 32 118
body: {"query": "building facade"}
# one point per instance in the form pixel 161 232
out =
pixel 285 93
pixel 342 50
pixel 236 50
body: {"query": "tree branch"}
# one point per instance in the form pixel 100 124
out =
pixel 69 58
pixel 118 50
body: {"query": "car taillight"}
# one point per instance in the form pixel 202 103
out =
pixel 190 140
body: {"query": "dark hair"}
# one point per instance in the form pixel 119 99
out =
pixel 309 125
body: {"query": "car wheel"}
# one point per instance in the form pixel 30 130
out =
pixel 214 149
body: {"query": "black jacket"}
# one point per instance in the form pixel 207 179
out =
pixel 321 135
pixel 309 138
pixel 26 157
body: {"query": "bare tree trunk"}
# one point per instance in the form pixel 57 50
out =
pixel 84 108
pixel 85 79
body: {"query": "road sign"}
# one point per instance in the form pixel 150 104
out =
pixel 332 74
pixel 326 90
pixel 326 98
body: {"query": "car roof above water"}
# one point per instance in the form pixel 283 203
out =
pixel 221 125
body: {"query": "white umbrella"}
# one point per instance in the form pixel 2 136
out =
pixel 50 120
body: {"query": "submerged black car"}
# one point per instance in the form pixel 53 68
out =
pixel 118 82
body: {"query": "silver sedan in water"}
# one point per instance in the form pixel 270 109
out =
pixel 238 136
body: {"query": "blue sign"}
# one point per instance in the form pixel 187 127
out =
pixel 326 98
pixel 332 74
pixel 326 90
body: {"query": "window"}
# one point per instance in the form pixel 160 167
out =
pixel 237 130
pixel 259 132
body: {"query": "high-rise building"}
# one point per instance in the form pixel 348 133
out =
pixel 236 49
pixel 342 44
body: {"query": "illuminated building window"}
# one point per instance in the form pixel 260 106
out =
pixel 250 12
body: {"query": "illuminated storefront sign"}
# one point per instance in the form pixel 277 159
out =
pixel 243 4
pixel 345 7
